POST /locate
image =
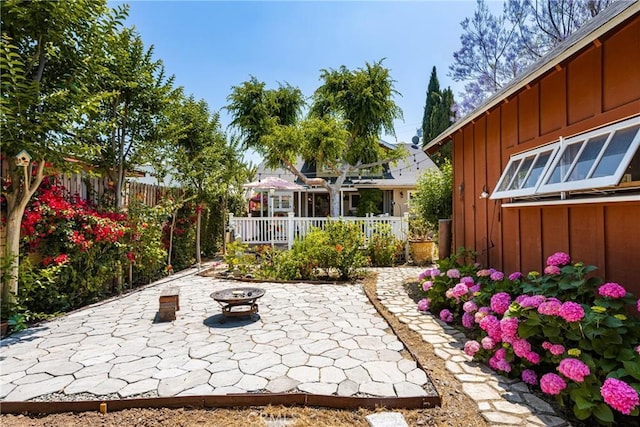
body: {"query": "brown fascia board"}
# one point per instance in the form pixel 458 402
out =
pixel 616 14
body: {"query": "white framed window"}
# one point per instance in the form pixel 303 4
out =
pixel 524 172
pixel 595 159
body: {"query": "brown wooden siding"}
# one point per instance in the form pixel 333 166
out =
pixel 599 85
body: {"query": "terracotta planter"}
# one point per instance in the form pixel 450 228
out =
pixel 4 328
pixel 421 251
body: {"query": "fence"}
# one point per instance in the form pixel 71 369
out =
pixel 283 231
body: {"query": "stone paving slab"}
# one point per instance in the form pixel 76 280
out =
pixel 325 339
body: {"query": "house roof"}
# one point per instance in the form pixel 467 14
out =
pixel 403 175
pixel 614 15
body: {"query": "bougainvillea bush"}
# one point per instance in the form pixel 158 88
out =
pixel 562 330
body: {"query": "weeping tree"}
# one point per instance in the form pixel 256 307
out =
pixel 340 134
pixel 50 56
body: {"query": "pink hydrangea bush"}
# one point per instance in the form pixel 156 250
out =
pixel 563 331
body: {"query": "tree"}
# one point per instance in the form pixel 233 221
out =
pixel 438 115
pixel 132 118
pixel 496 48
pixel 340 134
pixel 49 53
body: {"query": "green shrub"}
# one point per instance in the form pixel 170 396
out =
pixel 566 332
pixel 343 252
pixel 383 248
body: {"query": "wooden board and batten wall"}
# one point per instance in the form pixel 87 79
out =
pixel 598 85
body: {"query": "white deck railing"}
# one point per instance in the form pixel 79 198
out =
pixel 284 230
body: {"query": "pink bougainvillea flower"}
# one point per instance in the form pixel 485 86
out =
pixel 471 347
pixel 500 302
pixel 559 259
pixel 551 383
pixel 571 311
pixel 453 273
pixel 470 307
pixel 574 369
pixel 529 376
pixel 446 316
pixel 612 290
pixel 619 395
pixel 423 304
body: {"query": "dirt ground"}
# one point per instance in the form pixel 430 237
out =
pixel 457 409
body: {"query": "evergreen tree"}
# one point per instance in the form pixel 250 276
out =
pixel 438 115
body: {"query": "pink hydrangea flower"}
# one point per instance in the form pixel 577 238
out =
pixel 467 280
pixel 476 288
pixel 532 357
pixel 529 376
pixel 491 325
pixel 559 259
pixel 638 349
pixel 499 362
pixel 638 305
pixel 546 345
pixel 446 316
pixel 488 343
pixel 484 273
pixel 460 290
pixel 515 276
pixel 612 290
pixel 619 395
pixel 432 272
pixel 497 276
pixel 571 311
pixel 574 369
pixel 423 304
pixel 556 349
pixel 470 307
pixel 552 269
pixel 453 273
pixel 551 383
pixel 521 347
pixel 471 347
pixel 481 314
pixel 427 285
pixel 550 307
pixel 467 320
pixel 500 302
pixel 532 301
pixel 509 328
pixel 449 293
pixel 424 274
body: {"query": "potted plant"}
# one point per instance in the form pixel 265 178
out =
pixel 433 203
pixel 421 243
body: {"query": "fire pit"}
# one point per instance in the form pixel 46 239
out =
pixel 238 301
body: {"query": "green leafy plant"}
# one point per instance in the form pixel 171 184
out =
pixel 383 248
pixel 562 330
pixel 433 198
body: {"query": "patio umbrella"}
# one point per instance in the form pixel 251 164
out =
pixel 275 183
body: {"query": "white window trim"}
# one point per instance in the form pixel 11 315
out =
pixel 600 182
pixel 558 148
pixel 528 191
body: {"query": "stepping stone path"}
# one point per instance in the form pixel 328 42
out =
pixel 325 339
pixel 502 401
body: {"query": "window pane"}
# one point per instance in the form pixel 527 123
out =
pixel 537 169
pixel 588 156
pixel 522 173
pixel 561 169
pixel 615 151
pixel 508 175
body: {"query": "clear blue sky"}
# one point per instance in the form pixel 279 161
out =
pixel 211 46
